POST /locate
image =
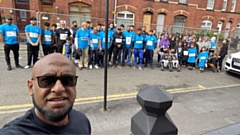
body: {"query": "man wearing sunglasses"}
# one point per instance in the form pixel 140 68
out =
pixel 53 91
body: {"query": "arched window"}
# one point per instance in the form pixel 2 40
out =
pixel 125 17
pixel 179 24
pixel 206 25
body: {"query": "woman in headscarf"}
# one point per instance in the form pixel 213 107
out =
pixel 163 45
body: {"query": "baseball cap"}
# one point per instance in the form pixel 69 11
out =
pixel 9 17
pixel 33 18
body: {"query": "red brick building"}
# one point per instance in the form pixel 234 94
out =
pixel 176 14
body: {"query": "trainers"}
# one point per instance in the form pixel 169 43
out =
pixel 109 63
pixel 134 67
pixel 9 68
pixel 96 66
pixel 19 66
pixel 113 66
pixel 76 61
pixel 120 67
pixel 140 68
pixel 27 66
pixel 80 68
pixel 90 67
pixel 151 67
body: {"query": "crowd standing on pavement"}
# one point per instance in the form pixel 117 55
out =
pixel 86 46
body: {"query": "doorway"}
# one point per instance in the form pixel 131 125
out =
pixel 160 23
pixel 47 6
pixel 147 20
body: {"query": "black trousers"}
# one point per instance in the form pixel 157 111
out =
pixel 220 61
pixel 47 49
pixel 32 53
pixel 15 49
pixel 149 57
pixel 60 48
pixel 117 55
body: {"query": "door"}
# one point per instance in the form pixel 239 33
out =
pixel 179 24
pixel 47 6
pixel 160 23
pixel 147 19
pixel 227 30
pixel 22 17
pixel 79 12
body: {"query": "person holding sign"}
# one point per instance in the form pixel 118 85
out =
pixel 118 42
pixel 61 35
pixel 33 34
pixel 192 52
pixel 94 46
pixel 47 39
pixel 185 54
pixel 128 35
pixel 151 42
pixel 9 34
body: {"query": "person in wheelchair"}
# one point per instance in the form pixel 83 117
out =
pixel 174 59
pixel 203 58
pixel 165 60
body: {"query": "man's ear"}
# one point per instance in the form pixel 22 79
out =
pixel 30 87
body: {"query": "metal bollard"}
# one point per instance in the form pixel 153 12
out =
pixel 153 119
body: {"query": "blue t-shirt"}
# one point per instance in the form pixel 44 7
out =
pixel 150 42
pixel 128 39
pixel 112 32
pixel 94 38
pixel 203 56
pixel 102 37
pixel 47 35
pixel 83 38
pixel 192 52
pixel 34 32
pixel 67 48
pixel 9 33
pixel 138 41
pixel 213 44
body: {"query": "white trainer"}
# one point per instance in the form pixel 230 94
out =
pixel 90 67
pixel 27 66
pixel 96 66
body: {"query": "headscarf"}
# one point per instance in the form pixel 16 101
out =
pixel 164 42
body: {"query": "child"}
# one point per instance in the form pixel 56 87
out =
pixel 67 49
pixel 179 50
pixel 174 59
pixel 165 59
pixel 192 52
pixel 189 40
pixel 203 57
pixel 185 55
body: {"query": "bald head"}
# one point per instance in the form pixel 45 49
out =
pixel 55 63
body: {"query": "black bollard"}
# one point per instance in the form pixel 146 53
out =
pixel 153 119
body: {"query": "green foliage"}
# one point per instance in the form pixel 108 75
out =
pixel 208 33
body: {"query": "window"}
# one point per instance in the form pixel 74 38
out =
pixel 163 0
pixel 85 9
pixel 125 17
pixel 179 24
pixel 233 5
pixel 23 14
pixel 210 4
pixel 238 30
pixel 224 5
pixel 74 8
pixel 22 1
pixel 183 1
pixel 206 25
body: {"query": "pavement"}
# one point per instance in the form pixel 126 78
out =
pixel 202 101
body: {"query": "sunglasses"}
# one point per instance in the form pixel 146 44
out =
pixel 48 81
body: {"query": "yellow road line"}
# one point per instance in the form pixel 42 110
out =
pixel 118 96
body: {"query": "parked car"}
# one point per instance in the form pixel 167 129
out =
pixel 233 63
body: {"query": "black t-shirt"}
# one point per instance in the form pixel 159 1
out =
pixel 62 34
pixel 31 124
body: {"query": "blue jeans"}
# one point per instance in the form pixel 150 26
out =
pixel 126 51
pixel 138 53
pixel 69 56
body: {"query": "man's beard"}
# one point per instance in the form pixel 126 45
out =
pixel 50 114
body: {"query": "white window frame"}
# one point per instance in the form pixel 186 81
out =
pixel 233 7
pixel 183 1
pixel 125 16
pixel 23 14
pixel 224 5
pixel 206 26
pixel 212 4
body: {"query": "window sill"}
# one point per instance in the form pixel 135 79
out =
pixel 208 9
pixel 164 1
pixel 180 3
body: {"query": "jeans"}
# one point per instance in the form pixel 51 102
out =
pixel 32 53
pixel 47 49
pixel 69 56
pixel 102 61
pixel 126 53
pixel 117 55
pixel 93 57
pixel 15 49
pixel 149 57
pixel 138 53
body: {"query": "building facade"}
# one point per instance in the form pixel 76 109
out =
pixel 154 14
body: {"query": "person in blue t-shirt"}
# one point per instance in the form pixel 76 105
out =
pixel 94 46
pixel 33 34
pixel 9 34
pixel 138 48
pixel 128 35
pixel 203 57
pixel 102 47
pixel 68 48
pixel 192 53
pixel 151 43
pixel 82 42
pixel 112 32
pixel 47 39
pixel 54 29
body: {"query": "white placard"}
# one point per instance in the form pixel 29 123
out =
pixel 139 42
pixel 11 34
pixel 118 40
pixel 94 41
pixel 63 36
pixel 149 43
pixel 128 40
pixel 33 35
pixel 48 38
pixel 192 54
pixel 185 53
pixel 203 58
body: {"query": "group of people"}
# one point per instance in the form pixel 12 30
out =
pixel 87 45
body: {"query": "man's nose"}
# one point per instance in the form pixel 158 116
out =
pixel 58 87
